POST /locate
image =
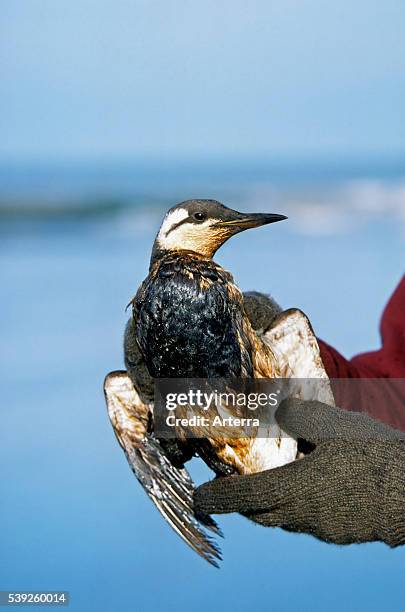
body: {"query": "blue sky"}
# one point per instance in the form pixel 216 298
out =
pixel 103 78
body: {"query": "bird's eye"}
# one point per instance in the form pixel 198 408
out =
pixel 199 216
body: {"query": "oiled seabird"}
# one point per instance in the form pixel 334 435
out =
pixel 190 320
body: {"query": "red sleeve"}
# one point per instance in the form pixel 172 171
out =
pixel 386 363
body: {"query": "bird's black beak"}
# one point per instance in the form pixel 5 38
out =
pixel 242 221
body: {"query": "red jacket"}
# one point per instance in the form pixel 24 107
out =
pixel 382 399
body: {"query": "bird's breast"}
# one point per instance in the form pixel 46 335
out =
pixel 189 320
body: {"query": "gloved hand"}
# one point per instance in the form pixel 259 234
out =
pixel 350 488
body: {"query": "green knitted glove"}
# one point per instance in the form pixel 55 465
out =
pixel 261 309
pixel 351 488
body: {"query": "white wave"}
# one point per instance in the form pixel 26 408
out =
pixel 324 210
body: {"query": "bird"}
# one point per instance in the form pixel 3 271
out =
pixel 191 321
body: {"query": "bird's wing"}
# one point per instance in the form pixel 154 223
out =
pixel 293 342
pixel 170 489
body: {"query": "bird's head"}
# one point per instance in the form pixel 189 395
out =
pixel 202 226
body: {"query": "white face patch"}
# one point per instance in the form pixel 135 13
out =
pixel 171 219
pixel 187 236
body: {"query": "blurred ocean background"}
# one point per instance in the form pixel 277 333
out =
pixel 110 112
pixel 74 246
